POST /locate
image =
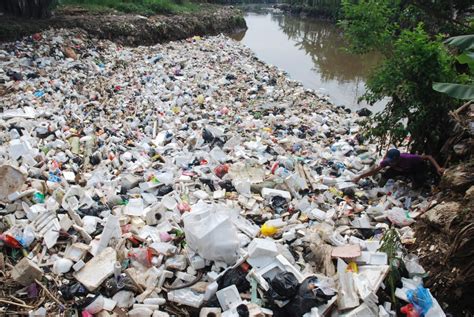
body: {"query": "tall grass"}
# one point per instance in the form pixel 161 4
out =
pixel 144 7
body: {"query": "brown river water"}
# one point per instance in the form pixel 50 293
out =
pixel 312 52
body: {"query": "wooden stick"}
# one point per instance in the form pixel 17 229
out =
pixel 17 299
pixel 309 177
pixel 49 293
pixel 301 173
pixel 16 304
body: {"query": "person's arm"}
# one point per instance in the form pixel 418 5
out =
pixel 372 172
pixel 439 169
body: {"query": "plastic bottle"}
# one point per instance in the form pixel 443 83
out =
pixel 389 186
pixel 407 203
pixel 10 241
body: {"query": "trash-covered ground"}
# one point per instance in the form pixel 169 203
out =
pixel 190 179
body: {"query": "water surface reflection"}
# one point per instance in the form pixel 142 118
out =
pixel 312 52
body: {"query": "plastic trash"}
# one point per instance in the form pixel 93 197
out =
pixel 235 276
pixel 62 266
pixel 211 233
pixel 409 310
pixel 143 256
pixel 421 300
pixel 412 265
pixel 12 180
pixel 172 172
pixel 400 217
pixel 268 230
pixel 309 295
pixel 283 286
pixel 73 290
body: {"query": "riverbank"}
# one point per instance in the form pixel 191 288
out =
pixel 131 29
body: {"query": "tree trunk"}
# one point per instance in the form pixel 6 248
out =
pixel 27 8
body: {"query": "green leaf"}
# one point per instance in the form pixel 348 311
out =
pixel 463 42
pixel 467 58
pixel 458 91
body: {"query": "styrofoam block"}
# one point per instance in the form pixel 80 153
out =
pixel 229 297
pixel 270 192
pixel 261 252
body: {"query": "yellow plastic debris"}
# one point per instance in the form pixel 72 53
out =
pixel 268 231
pixel 200 99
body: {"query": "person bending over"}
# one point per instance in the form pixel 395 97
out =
pixel 411 166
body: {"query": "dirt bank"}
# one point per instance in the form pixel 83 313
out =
pixel 444 243
pixel 131 29
pixel 445 234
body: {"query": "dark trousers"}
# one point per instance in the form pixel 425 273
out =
pixel 418 175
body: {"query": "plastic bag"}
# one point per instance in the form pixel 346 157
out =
pixel 412 265
pixel 409 310
pixel 309 295
pixel 73 290
pixel 421 299
pixel 285 285
pixel 283 288
pixel 234 277
pixel 279 204
pixel 399 217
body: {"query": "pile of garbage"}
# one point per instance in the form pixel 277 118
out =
pixel 190 179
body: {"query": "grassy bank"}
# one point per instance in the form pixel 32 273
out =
pixel 143 7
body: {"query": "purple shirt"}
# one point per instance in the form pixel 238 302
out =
pixel 406 162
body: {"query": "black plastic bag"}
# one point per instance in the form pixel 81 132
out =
pixel 307 297
pixel 227 185
pixel 283 287
pixel 231 277
pixel 73 290
pixel 207 136
pixel 163 190
pixel 279 204
pixel 243 310
pixel 234 277
pixel 285 284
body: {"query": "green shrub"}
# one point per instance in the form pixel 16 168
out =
pixel 415 109
pixel 144 7
pixel 161 6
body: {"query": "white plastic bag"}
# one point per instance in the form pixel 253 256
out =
pixel 399 217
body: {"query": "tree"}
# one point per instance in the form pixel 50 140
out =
pixel 415 109
pixel 27 8
pixel 415 58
